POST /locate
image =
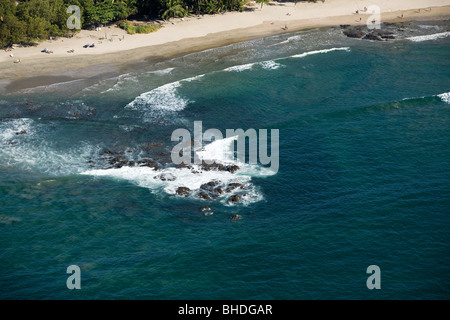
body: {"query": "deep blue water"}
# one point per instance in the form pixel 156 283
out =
pixel 363 177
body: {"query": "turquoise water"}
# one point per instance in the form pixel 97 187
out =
pixel 363 178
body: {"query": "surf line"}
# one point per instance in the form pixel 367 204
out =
pixel 221 149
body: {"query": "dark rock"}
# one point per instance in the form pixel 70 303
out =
pixel 234 199
pixel 117 159
pixel 232 168
pixel 22 132
pixel 152 145
pixel 233 186
pixel 210 185
pixel 166 177
pixel 371 36
pixel 217 190
pixel 204 195
pixel 384 34
pixel 354 33
pixel 132 163
pixel 183 191
pixel 219 167
pixel 147 163
pixel 182 166
pixel 235 217
pixel 110 152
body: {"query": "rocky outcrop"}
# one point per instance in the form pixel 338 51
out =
pixel 183 191
pixel 373 37
pixel 354 33
pixel 219 167
pixel 166 177
pixel 234 198
pixel 147 163
pixel 366 34
pixel 203 195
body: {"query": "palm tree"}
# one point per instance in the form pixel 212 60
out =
pixel 174 8
pixel 262 2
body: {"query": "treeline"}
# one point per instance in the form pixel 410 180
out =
pixel 32 20
pixel 28 21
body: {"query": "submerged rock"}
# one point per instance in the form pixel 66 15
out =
pixel 235 217
pixel 152 145
pixel 206 210
pixel 111 152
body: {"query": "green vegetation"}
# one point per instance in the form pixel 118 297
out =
pixel 173 9
pixel 262 2
pixel 28 21
pixel 132 29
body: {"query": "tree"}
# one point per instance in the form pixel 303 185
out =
pixel 262 2
pixel 174 8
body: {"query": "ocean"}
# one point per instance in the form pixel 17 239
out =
pixel 363 176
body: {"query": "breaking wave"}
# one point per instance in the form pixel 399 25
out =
pixel 434 36
pixel 309 53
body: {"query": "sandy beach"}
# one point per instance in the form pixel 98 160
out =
pixel 114 48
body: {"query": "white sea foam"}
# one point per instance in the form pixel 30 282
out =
pixel 163 98
pixel 290 39
pixel 10 128
pixel 427 27
pixel 270 65
pixel 304 54
pixel 29 151
pixel 429 37
pixel 240 68
pixel 51 87
pixel 162 71
pixel 120 81
pixel 445 97
pixel 220 150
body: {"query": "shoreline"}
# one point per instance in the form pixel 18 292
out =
pixel 41 69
